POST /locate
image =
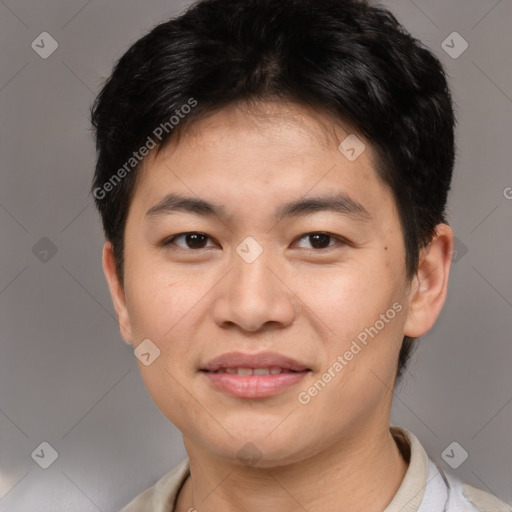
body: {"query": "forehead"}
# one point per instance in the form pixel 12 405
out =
pixel 251 157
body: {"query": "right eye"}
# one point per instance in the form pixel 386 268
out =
pixel 192 240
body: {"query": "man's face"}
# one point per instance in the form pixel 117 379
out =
pixel 307 285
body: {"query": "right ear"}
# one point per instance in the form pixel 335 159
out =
pixel 117 292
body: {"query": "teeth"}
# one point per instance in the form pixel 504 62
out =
pixel 244 372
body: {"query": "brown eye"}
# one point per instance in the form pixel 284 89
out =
pixel 196 240
pixel 189 241
pixel 319 240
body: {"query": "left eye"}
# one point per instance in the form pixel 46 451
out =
pixel 319 240
pixel 191 240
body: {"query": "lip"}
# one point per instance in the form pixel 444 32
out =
pixel 261 360
pixel 253 386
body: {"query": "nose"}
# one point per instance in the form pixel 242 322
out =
pixel 255 296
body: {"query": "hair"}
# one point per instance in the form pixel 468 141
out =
pixel 346 58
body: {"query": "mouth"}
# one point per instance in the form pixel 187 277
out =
pixel 253 376
pixel 245 372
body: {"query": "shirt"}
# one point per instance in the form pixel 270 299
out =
pixel 425 487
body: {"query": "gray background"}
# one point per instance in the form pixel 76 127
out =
pixel 66 376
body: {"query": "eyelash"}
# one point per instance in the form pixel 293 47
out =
pixel 170 241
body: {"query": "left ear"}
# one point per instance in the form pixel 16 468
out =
pixel 430 284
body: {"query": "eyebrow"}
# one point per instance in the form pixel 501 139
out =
pixel 173 203
pixel 337 203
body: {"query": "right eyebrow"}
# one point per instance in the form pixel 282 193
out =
pixel 172 203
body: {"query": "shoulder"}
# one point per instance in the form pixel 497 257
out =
pixel 161 496
pixel 464 497
pixel 427 487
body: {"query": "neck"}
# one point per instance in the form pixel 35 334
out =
pixel 351 475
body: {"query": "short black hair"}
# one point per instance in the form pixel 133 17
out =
pixel 347 58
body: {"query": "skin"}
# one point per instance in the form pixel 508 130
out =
pixel 336 453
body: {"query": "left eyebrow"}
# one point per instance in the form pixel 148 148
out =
pixel 338 203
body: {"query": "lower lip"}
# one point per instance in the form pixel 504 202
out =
pixel 254 386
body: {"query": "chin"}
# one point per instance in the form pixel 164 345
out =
pixel 260 451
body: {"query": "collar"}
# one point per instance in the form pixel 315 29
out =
pixel 410 494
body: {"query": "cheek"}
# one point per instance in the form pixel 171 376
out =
pixel 349 298
pixel 158 300
pixel 168 309
pixel 160 308
pixel 364 312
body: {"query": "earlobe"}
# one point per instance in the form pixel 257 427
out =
pixel 430 285
pixel 116 292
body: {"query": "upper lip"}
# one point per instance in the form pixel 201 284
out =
pixel 253 361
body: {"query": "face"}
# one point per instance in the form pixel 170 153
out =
pixel 255 235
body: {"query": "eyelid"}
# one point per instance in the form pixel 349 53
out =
pixel 340 240
pixel 171 240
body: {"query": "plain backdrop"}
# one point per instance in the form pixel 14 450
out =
pixel 66 376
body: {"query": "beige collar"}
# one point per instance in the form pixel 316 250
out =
pixel 410 493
